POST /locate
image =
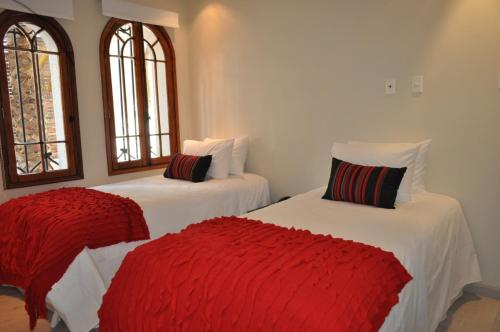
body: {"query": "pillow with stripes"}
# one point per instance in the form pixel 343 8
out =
pixel 368 185
pixel 189 168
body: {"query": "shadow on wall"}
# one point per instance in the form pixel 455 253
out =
pixel 216 70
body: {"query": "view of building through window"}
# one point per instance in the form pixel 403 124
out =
pixel 33 77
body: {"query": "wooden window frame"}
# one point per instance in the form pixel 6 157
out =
pixel 145 163
pixel 69 103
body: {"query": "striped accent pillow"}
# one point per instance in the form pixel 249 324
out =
pixel 369 185
pixel 189 168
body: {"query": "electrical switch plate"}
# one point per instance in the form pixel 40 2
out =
pixel 390 86
pixel 417 84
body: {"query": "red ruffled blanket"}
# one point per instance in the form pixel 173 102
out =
pixel 233 274
pixel 42 234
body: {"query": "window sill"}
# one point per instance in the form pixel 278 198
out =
pixel 17 185
pixel 112 172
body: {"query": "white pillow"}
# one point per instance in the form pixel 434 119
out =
pixel 221 152
pixel 239 157
pixel 418 184
pixel 381 155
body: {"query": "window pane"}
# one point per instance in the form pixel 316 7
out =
pixel 125 111
pixel 15 38
pixel 157 100
pixel 14 95
pixel 22 96
pixel 163 97
pixel 34 158
pixel 44 42
pixel 165 145
pixel 148 35
pixel 151 94
pixel 128 49
pixel 149 53
pixel 115 46
pixel 21 161
pixel 56 157
pixel 131 98
pixel 126 115
pixel 29 28
pixel 125 32
pixel 122 41
pixel 28 159
pixel 122 149
pixel 155 146
pixel 128 148
pixel 160 55
pixel 51 99
pixel 115 68
pixel 135 149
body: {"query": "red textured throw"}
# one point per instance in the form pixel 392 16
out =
pixel 233 274
pixel 42 234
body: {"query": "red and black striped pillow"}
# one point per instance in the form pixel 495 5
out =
pixel 190 168
pixel 369 185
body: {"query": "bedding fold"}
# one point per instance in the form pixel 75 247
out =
pixel 236 274
pixel 43 233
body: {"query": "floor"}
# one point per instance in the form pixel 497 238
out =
pixel 470 313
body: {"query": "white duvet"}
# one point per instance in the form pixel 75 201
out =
pixel 169 206
pixel 429 236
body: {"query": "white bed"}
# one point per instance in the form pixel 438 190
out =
pixel 169 206
pixel 429 236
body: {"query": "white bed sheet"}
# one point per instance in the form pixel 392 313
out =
pixel 429 236
pixel 169 206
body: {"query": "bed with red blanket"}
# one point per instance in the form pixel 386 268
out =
pixel 43 233
pixel 237 274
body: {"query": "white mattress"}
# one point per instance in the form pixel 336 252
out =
pixel 429 236
pixel 169 206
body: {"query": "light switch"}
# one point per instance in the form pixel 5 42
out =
pixel 417 84
pixel 390 86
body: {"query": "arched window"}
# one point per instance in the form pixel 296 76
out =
pixel 139 94
pixel 39 119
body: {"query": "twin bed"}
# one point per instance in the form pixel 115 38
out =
pixel 169 206
pixel 427 235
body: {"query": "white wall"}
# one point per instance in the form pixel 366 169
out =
pixel 299 75
pixel 85 32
